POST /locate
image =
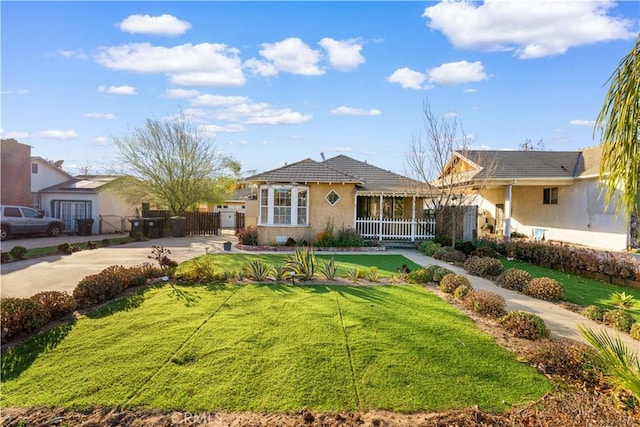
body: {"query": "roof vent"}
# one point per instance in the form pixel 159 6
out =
pixel 322 155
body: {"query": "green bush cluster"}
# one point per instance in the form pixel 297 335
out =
pixel 430 273
pixel 485 252
pixel 524 325
pixel 21 316
pixel 439 273
pixel 429 247
pixel 462 291
pixel 486 303
pixel 483 266
pixel 619 319
pixel 635 331
pixel 67 248
pixel 58 304
pixel 449 254
pixel 452 281
pixel 544 288
pixel 594 312
pixel 18 252
pixel 513 279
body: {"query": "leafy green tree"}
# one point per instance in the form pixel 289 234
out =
pixel 619 120
pixel 173 163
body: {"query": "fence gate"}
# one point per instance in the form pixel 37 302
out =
pixel 196 223
pixel 240 221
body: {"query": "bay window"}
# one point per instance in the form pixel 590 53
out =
pixel 284 205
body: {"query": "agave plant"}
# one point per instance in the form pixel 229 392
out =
pixel 353 274
pixel 303 262
pixel 258 270
pixel 622 299
pixel 373 274
pixel 329 269
pixel 620 362
pixel 278 272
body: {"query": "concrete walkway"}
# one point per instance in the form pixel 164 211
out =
pixel 63 272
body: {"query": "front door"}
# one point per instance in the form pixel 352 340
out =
pixel 71 211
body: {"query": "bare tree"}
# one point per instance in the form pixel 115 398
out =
pixel 528 145
pixel 174 164
pixel 432 159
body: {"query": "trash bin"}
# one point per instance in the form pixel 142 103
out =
pixel 137 225
pixel 153 227
pixel 84 226
pixel 178 226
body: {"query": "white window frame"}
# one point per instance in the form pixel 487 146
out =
pixel 295 208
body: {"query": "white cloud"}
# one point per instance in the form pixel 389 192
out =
pixel 450 115
pixel 343 55
pixel 163 25
pixel 238 142
pixel 454 73
pixel 527 28
pixel 107 116
pixel 118 90
pixel 217 100
pixel 580 122
pixel 180 93
pixel 470 90
pixel 101 141
pixel 212 130
pixel 73 53
pixel 15 135
pixel 293 56
pixel 407 78
pixel 337 149
pixel 63 135
pixel 208 64
pixel 14 92
pixel 350 111
pixel 261 113
pixel 262 68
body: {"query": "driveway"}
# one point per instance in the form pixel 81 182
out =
pixel 63 272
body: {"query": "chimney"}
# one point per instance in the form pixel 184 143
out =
pixel 322 155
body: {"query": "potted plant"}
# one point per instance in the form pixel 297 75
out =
pixel 227 245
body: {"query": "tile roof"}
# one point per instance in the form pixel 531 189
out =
pixel 342 169
pixel 504 165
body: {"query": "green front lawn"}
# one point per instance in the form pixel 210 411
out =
pixel 580 290
pixel 270 348
pixel 387 265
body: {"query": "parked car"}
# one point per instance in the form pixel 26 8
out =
pixel 24 220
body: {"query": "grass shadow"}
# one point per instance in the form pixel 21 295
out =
pixel 124 303
pixel 16 360
pixel 188 298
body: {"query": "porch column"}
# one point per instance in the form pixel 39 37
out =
pixel 380 221
pixel 507 212
pixel 355 212
pixel 413 219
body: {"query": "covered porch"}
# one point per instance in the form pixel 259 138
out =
pixel 389 216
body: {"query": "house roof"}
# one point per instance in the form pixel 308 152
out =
pixel 342 169
pixel 50 165
pixel 481 165
pixel 81 184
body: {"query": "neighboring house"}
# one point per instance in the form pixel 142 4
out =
pixel 550 195
pixel 88 196
pixel 45 174
pixel 15 179
pixel 301 199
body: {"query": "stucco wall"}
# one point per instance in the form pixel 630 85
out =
pixel 320 212
pixel 47 176
pixel 579 217
pixel 15 168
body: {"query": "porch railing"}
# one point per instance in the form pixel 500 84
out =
pixel 400 229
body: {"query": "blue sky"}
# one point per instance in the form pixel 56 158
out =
pixel 277 82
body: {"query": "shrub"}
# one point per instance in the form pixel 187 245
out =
pixel 485 252
pixel 635 331
pixel 429 247
pixel 565 358
pixel 524 325
pixel 486 303
pixel 373 275
pixel 462 291
pixel 325 238
pixel 248 236
pixel 21 315
pixel 419 276
pixel 91 245
pixel 451 281
pixel 138 236
pixel 513 279
pixel 484 266
pixel 58 304
pixel 353 274
pixel 18 252
pixel 465 247
pixel 439 273
pixel 544 288
pixel 594 312
pixel 67 248
pixel 348 238
pixel 105 243
pixel 303 262
pixel 97 288
pixel 619 319
pixel 449 254
pixel 257 270
pixel 622 299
